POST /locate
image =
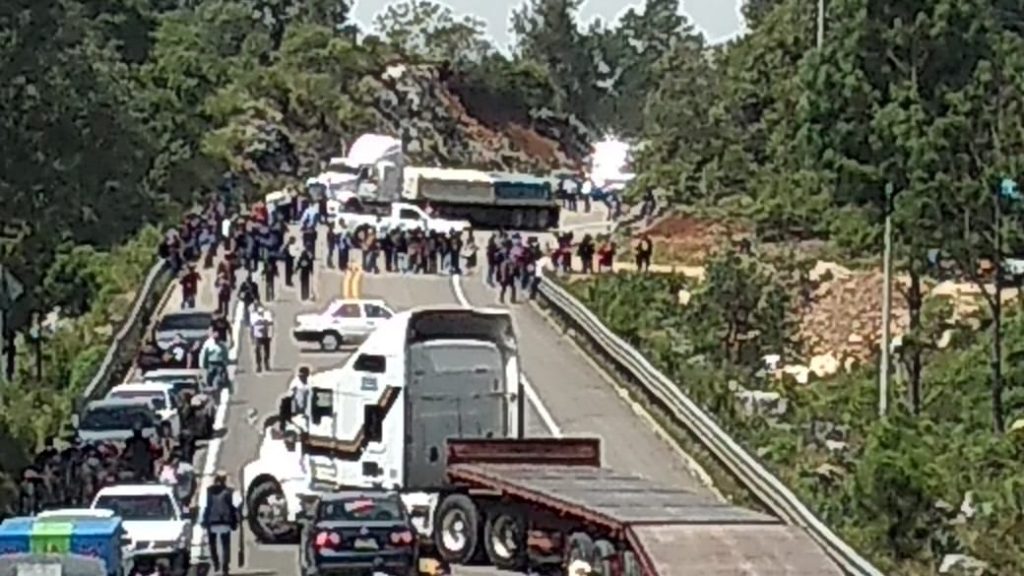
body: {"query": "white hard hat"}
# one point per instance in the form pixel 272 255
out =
pixel 579 568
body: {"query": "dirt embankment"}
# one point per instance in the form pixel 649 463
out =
pixel 838 309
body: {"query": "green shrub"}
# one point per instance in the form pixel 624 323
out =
pixel 95 290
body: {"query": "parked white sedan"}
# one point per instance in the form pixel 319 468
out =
pixel 344 321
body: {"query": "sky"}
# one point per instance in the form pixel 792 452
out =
pixel 719 19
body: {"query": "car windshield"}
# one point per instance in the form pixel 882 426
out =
pixel 155 398
pixel 139 507
pixel 184 322
pixel 117 417
pixel 361 509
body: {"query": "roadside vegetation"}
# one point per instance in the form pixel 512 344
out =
pixel 788 149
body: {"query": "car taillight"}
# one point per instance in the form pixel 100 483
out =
pixel 403 538
pixel 329 540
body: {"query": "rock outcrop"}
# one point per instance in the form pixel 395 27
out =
pixel 414 103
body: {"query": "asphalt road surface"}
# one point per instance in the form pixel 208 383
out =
pixel 568 395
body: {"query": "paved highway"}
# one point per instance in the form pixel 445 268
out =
pixel 568 395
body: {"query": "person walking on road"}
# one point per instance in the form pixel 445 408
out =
pixel 213 358
pixel 507 277
pixel 249 294
pixel 189 287
pixel 262 333
pixel 220 519
pixel 291 254
pixel 269 276
pixel 305 265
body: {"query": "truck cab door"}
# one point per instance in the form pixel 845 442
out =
pixel 412 217
pixel 321 412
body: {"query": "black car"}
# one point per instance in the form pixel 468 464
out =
pixel 358 533
pixel 190 326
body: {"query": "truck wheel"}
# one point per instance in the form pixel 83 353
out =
pixel 268 514
pixel 630 565
pixel 330 342
pixel 457 529
pixel 604 555
pixel 505 541
pixel 579 546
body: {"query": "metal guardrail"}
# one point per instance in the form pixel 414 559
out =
pixel 746 469
pixel 126 343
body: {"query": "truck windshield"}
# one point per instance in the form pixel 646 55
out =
pixel 138 506
pixel 117 418
pixel 361 509
pixel 343 168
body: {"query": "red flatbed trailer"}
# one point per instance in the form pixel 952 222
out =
pixel 549 501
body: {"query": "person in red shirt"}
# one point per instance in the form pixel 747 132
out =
pixel 189 287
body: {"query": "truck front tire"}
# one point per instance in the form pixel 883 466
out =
pixel 264 494
pixel 457 528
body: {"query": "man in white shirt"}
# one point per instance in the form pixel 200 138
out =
pixel 262 323
pixel 300 390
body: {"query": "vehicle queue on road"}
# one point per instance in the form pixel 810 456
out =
pixel 132 451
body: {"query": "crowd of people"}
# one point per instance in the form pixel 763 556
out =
pixel 70 476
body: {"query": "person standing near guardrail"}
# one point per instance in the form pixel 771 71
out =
pixel 644 251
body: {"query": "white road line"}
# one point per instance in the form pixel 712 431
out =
pixel 531 392
pixel 219 423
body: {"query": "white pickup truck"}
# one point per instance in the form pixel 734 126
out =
pixel 401 215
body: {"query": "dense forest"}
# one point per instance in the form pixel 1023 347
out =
pixel 118 115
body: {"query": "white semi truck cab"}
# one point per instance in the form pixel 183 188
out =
pixel 372 170
pixel 383 420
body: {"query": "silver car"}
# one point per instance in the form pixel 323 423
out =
pixel 115 420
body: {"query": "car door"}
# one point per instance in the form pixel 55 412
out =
pixel 348 320
pixel 374 315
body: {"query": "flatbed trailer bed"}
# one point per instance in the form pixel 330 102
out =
pixel 620 523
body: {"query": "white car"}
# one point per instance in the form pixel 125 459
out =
pixel 153 521
pixel 159 395
pixel 71 514
pixel 344 321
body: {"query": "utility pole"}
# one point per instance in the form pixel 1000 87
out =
pixel 883 369
pixel 821 23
